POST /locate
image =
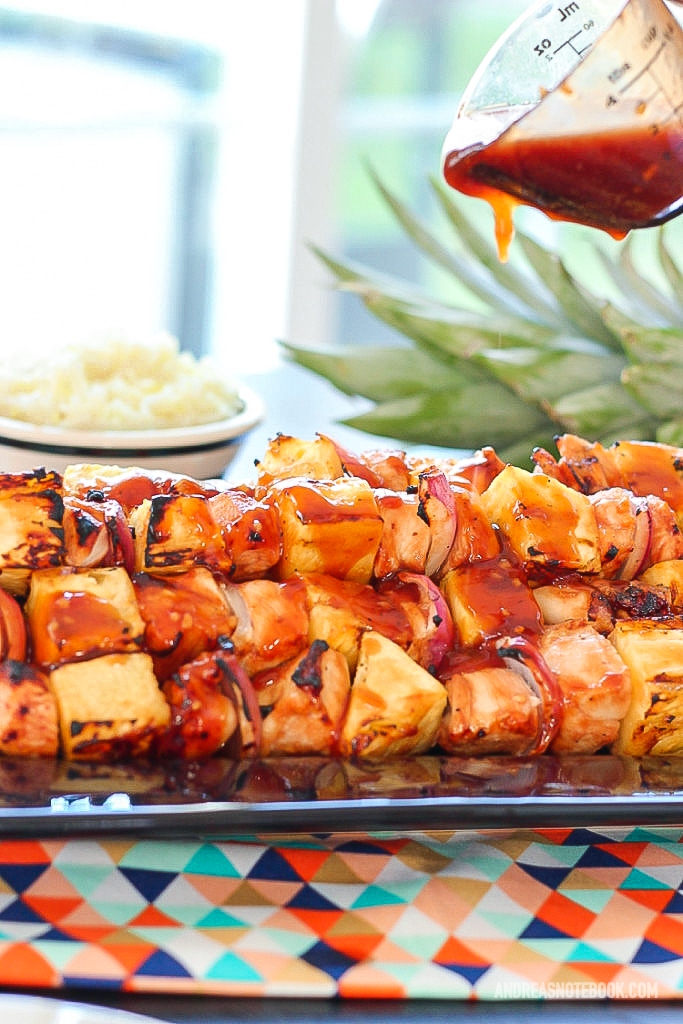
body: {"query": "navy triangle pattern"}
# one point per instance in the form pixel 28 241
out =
pixel 548 875
pixel 271 864
pixel 19 911
pixel 538 929
pixel 149 883
pixel 57 935
pixel 598 857
pixel 468 972
pixel 651 953
pixel 21 877
pixel 584 837
pixel 328 959
pixel 161 964
pixel 675 904
pixel 358 846
pixel 308 898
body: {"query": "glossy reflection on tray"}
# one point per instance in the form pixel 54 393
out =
pixel 311 794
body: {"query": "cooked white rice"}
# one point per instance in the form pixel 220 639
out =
pixel 118 384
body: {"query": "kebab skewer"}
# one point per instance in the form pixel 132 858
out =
pixel 369 606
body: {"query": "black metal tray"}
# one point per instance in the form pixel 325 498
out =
pixel 224 798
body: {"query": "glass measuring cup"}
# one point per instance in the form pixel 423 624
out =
pixel 578 111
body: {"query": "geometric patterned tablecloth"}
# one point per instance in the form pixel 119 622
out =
pixel 489 915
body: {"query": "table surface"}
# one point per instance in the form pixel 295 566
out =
pixel 224 1010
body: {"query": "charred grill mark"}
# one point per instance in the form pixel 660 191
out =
pixel 307 673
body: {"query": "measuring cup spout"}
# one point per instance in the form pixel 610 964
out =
pixel 578 111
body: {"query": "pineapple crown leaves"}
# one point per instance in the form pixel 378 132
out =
pixel 542 354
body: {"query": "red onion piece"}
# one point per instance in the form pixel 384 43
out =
pixel 520 651
pixel 438 510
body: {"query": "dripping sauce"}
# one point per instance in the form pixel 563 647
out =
pixel 615 180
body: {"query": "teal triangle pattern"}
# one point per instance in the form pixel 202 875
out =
pixel 232 968
pixel 210 860
pixel 637 879
pixel 376 896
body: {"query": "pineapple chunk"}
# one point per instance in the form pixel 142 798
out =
pixel 653 652
pixel 177 531
pixel 31 516
pixel 572 600
pixel 288 456
pixel 341 611
pixel 109 707
pixel 544 522
pixel 646 467
pixel 328 526
pixel 395 706
pixel 668 574
pixel 489 599
pixel 77 614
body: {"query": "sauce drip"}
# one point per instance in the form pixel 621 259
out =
pixel 614 180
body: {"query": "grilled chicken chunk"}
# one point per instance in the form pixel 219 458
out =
pixel 184 615
pixel 405 537
pixel 272 622
pixel 491 709
pixel 28 712
pixel 251 534
pixel 203 708
pixel 595 682
pixel 303 702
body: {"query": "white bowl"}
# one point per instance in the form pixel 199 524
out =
pixel 203 452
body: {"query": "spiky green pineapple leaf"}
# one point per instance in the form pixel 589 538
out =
pixel 452 418
pixel 602 411
pixel 553 358
pixel 380 372
pixel 673 273
pixel 454 332
pixel 487 288
pixel 529 288
pixel 582 309
pixel 354 277
pixel 658 387
pixel 647 302
pixel 655 304
pixel 646 344
pixel 546 376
